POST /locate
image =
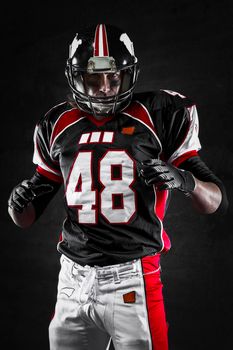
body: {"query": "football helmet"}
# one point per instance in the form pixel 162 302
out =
pixel 100 55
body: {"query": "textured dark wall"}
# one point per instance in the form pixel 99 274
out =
pixel 184 46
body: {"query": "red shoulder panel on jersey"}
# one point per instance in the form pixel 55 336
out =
pixel 65 119
pixel 139 111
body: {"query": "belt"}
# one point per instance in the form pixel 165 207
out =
pixel 115 271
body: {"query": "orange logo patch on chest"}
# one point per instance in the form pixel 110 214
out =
pixel 128 131
pixel 129 297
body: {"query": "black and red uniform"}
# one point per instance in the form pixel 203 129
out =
pixel 113 217
pixel 109 285
pixel 123 218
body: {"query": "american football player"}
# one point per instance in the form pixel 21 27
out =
pixel 118 156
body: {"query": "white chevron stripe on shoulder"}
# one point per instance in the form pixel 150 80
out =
pixel 58 135
pixel 173 93
pixel 56 122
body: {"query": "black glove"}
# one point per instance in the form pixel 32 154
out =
pixel 166 176
pixel 25 193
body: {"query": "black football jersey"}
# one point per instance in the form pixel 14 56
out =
pixel 112 215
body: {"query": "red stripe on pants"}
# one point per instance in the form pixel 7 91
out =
pixel 155 304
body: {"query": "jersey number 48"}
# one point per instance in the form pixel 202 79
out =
pixel 81 194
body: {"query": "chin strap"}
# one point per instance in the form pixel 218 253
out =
pixel 97 115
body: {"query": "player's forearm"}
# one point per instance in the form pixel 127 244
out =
pixel 206 197
pixel 24 219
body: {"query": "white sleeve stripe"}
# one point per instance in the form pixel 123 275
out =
pixel 43 166
pixel 37 159
pixel 173 93
pixel 191 141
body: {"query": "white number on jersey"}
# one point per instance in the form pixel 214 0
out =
pixel 80 192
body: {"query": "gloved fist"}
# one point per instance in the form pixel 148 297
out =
pixel 165 176
pixel 25 192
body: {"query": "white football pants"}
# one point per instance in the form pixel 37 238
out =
pixel 123 302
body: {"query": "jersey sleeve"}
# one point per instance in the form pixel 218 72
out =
pixel 180 138
pixel 46 165
pixel 41 202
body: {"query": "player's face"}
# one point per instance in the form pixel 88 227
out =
pixel 102 84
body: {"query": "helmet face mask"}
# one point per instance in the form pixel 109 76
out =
pixel 102 83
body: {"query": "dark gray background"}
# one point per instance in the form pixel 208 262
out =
pixel 184 46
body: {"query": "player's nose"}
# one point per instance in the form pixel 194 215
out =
pixel 105 84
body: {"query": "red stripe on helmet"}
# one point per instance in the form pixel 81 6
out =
pixel 96 42
pixel 105 41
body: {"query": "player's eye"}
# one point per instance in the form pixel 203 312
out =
pixel 114 75
pixel 92 79
pixel 114 78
